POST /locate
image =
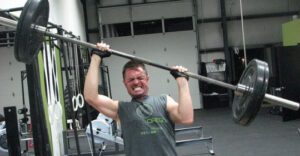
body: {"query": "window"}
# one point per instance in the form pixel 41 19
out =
pixel 6 38
pixel 178 24
pixel 116 30
pixel 147 27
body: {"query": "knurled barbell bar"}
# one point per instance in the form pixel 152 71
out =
pixel 250 92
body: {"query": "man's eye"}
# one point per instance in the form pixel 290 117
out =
pixel 141 78
pixel 130 80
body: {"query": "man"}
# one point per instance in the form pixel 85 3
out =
pixel 147 122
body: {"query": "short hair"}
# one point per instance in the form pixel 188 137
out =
pixel 133 64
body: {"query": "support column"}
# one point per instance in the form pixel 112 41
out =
pixel 12 132
pixel 196 29
pixel 38 121
pixel 228 55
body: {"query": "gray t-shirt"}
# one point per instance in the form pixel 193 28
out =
pixel 146 127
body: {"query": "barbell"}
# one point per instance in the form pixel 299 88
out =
pixel 250 91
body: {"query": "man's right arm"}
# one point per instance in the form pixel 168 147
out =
pixel 101 103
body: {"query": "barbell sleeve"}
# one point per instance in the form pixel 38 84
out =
pixel 281 102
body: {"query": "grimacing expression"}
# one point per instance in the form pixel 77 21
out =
pixel 136 81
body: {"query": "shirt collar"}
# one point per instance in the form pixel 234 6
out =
pixel 144 99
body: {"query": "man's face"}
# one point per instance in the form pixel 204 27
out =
pixel 136 82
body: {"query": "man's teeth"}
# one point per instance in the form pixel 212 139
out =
pixel 137 88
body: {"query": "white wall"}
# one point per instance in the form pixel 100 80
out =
pixel 260 6
pixel 257 31
pixel 69 14
pixel 210 35
pixel 7 4
pixel 145 12
pixel 10 80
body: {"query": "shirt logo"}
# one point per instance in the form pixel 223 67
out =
pixel 144 111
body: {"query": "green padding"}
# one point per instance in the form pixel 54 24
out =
pixel 44 96
pixel 291 33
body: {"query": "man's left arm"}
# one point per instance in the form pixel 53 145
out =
pixel 181 112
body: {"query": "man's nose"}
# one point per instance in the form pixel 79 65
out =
pixel 135 81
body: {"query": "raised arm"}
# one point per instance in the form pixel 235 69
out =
pixel 101 103
pixel 181 112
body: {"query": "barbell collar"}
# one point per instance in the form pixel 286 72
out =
pixel 241 89
pixel 282 102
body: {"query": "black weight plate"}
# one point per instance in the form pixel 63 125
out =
pixel 27 40
pixel 246 106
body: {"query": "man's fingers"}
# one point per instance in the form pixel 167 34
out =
pixel 180 68
pixel 103 47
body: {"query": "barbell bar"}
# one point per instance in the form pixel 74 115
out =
pixel 250 92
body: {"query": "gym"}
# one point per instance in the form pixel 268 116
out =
pixel 242 59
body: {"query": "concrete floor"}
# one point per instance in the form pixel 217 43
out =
pixel 266 136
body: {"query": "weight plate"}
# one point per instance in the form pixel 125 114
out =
pixel 246 103
pixel 27 40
